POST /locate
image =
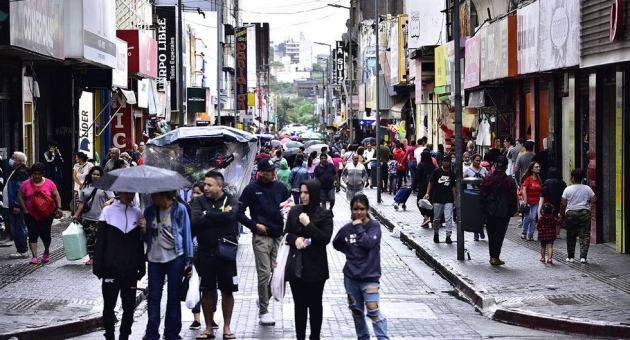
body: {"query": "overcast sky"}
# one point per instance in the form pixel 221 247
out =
pixel 287 18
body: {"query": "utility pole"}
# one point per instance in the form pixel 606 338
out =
pixel 219 7
pixel 378 110
pixel 458 131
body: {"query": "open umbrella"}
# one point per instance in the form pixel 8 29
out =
pixel 285 140
pixel 311 142
pixel 312 136
pixel 225 133
pixel 284 135
pixel 315 147
pixel 275 143
pixel 143 179
pixel 292 144
pixel 370 140
pixel 295 137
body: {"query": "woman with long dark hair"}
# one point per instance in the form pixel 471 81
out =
pixel 309 222
pixel 424 170
pixel 94 198
pixel 531 187
pixel 313 162
pixel 552 193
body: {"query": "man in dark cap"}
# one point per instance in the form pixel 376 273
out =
pixel 499 202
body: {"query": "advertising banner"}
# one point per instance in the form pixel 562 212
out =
pixel 393 55
pixel 402 42
pixel 527 38
pixel 241 70
pixel 141 52
pixel 121 126
pixel 144 87
pixel 559 42
pixel 120 72
pixel 92 39
pixel 196 98
pixel 167 52
pixel 339 75
pixel 86 118
pixel 37 25
pixel 440 66
pixel 498 49
pixel 425 22
pixel 473 59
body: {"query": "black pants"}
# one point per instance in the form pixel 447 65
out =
pixel 126 285
pixel 307 298
pixel 496 228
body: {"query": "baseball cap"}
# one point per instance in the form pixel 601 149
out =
pixel 266 165
pixel 501 162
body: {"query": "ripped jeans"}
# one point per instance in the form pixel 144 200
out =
pixel 361 296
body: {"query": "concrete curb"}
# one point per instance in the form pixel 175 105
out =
pixel 63 330
pixel 485 303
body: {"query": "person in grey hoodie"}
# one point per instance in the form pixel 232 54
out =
pixel 360 241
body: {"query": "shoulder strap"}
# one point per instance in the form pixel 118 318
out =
pixel 92 195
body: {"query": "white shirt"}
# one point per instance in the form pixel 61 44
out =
pixel 368 155
pixel 578 197
pixel 417 152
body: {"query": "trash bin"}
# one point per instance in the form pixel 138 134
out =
pixel 472 217
pixel 373 172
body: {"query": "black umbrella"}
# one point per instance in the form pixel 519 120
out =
pixel 225 133
pixel 144 179
pixel 370 140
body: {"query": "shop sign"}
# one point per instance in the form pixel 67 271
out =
pixel 92 39
pixel 241 70
pixel 141 53
pixel 120 72
pixel 37 26
pixel 440 66
pixel 527 38
pixel 144 88
pixel 559 42
pixel 616 20
pixel 473 58
pixel 361 89
pixel 394 53
pixel 121 126
pixel 425 22
pixel 167 52
pixel 86 127
pixel 196 98
pixel 476 99
pixel 339 73
pixel 498 49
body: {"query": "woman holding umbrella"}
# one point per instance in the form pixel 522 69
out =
pixel 169 252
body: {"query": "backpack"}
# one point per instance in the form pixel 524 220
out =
pixel 43 204
pixel 498 203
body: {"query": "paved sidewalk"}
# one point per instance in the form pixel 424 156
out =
pixel 590 298
pixel 53 299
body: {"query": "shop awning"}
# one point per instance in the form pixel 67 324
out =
pixel 396 111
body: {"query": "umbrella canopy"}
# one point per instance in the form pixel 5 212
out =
pixel 295 137
pixel 370 140
pixel 275 143
pixel 144 179
pixel 292 144
pixel 290 152
pixel 315 147
pixel 312 136
pixel 225 133
pixel 311 142
pixel 284 135
pixel 285 140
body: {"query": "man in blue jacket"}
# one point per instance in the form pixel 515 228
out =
pixel 263 198
pixel 17 226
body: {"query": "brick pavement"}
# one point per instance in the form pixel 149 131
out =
pixel 582 298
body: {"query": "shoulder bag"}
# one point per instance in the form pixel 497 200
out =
pixel 43 204
pixel 87 205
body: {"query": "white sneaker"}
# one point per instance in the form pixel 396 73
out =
pixel 569 259
pixel 583 260
pixel 19 256
pixel 267 320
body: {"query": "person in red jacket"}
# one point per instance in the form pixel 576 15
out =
pixel 399 156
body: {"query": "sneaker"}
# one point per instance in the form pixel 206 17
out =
pixel 91 262
pixel 267 320
pixel 530 238
pixel 569 259
pixel 448 240
pixel 496 262
pixel 476 237
pixel 195 325
pixel 583 260
pixel 33 260
pixel 45 258
pixel 19 256
pixel 482 235
pixel 215 325
pixel 436 238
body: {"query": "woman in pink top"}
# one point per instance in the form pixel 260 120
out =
pixel 38 226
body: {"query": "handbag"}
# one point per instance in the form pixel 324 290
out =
pixel 87 206
pixel 43 204
pixel 525 208
pixel 277 278
pixel 226 249
pixel 293 269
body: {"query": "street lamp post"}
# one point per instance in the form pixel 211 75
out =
pixel 378 110
pixel 327 102
pixel 351 66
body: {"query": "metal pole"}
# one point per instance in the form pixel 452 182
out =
pixel 458 132
pixel 350 119
pixel 235 84
pixel 378 112
pixel 180 64
pixel 219 56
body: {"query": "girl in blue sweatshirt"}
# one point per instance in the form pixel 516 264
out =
pixel 360 241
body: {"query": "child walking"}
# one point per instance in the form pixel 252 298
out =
pixel 547 231
pixel 392 167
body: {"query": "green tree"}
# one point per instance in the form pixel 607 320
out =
pixel 317 67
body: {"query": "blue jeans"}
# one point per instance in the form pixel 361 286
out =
pixel 411 165
pixel 359 294
pixel 19 231
pixel 392 182
pixel 529 220
pixel 173 318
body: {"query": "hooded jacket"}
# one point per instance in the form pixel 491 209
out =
pixel 362 246
pixel 284 173
pixel 119 246
pixel 210 221
pixel 319 230
pixel 263 200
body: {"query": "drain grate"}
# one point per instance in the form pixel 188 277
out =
pixel 559 300
pixel 52 305
pixel 24 304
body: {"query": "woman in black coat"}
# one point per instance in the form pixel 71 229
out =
pixel 309 222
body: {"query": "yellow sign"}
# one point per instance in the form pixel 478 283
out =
pixel 440 66
pixel 251 99
pixel 402 37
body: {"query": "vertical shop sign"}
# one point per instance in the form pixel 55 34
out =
pixel 122 122
pixel 340 64
pixel 559 42
pixel 473 58
pixel 167 52
pixel 527 38
pixel 440 66
pixel 86 129
pixel 241 70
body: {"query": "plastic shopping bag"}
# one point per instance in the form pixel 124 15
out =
pixel 74 242
pixel 277 278
pixel 193 295
pixel 286 206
